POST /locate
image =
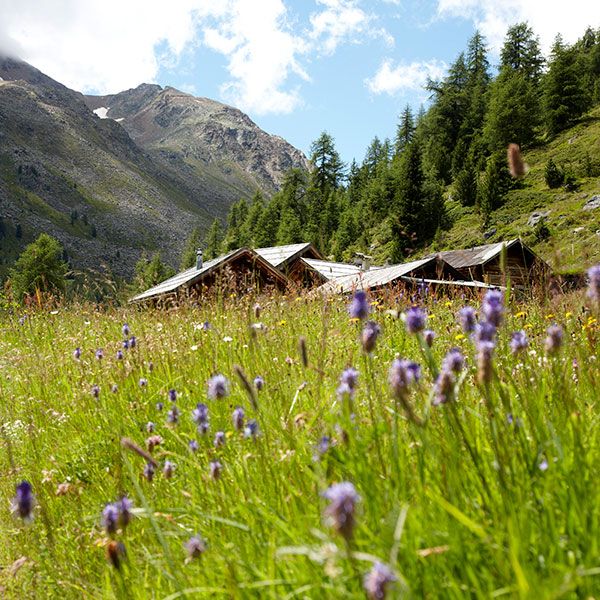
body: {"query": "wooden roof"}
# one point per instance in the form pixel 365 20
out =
pixel 480 255
pixel 282 256
pixel 374 278
pixel 191 276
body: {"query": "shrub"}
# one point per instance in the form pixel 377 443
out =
pixel 553 175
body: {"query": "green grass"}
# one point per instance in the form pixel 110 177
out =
pixel 458 507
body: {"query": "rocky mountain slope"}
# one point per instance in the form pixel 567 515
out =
pixel 210 137
pixel 108 195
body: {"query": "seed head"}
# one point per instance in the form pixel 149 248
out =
pixel 429 336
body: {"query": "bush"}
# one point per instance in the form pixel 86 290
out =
pixel 553 175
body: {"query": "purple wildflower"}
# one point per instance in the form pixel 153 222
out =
pixel 168 469
pixel 110 518
pixel 149 471
pixel 125 330
pixel 344 390
pixel 115 388
pixel 554 339
pixel 467 318
pixel 342 505
pixel 159 406
pixel 219 439
pixel 215 469
pixel 200 417
pixel 359 307
pixel 377 580
pixel 519 342
pixel 322 447
pixel 119 355
pixel 125 344
pixel 453 361
pixel 172 395
pixel 206 326
pixel 124 505
pixel 259 383
pixel 143 382
pixel 24 502
pixel 429 336
pixel 195 547
pixel 218 387
pixel 349 376
pixel 594 284
pixel 402 374
pixel 484 332
pixel 369 336
pixel 96 391
pixel 132 341
pixel 238 418
pixel 99 354
pixel 173 415
pixel 543 466
pixel 492 307
pixel 251 429
pixel 193 445
pixel 150 427
pixel 77 353
pixel 415 319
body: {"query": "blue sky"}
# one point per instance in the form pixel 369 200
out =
pixel 297 67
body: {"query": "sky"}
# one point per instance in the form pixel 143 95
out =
pixel 296 67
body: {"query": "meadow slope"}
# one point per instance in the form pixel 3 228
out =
pixel 493 493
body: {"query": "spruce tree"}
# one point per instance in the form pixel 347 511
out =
pixel 214 241
pixel 405 130
pixel 188 257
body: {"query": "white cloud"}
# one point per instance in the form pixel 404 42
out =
pixel 396 79
pixel 339 21
pixel 105 46
pixel 101 46
pixel 262 54
pixel 546 17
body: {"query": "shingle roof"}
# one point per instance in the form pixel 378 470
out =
pixel 331 270
pixel 279 255
pixel 373 278
pixel 479 255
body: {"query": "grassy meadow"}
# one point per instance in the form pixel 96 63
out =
pixel 491 494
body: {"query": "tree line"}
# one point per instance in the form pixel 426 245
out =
pixel 392 203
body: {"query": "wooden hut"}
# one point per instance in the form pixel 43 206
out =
pixel 485 263
pixel 240 270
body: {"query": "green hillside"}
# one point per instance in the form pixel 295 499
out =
pixel 574 233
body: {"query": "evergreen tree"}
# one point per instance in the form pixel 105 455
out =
pixel 234 238
pixel 405 130
pixel 328 168
pixel 494 184
pixel 465 185
pixel 188 257
pixel 513 112
pixel 266 233
pixel 553 175
pixel 564 97
pixel 521 52
pixel 214 240
pixel 149 273
pixel 39 267
pixel 248 230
